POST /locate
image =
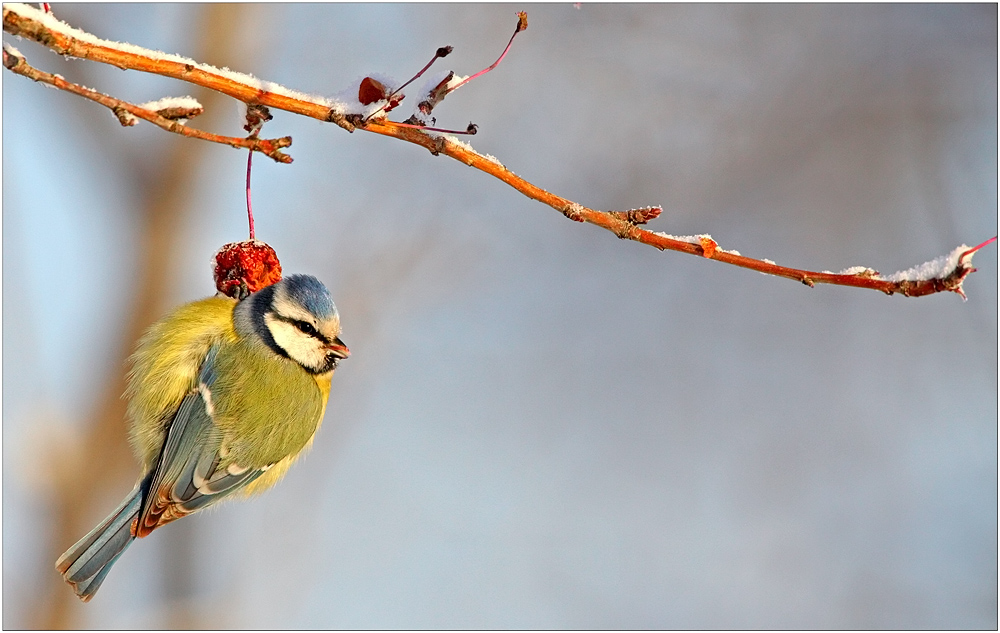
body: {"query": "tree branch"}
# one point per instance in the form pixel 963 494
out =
pixel 30 23
pixel 943 274
pixel 15 62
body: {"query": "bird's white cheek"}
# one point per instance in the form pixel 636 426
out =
pixel 301 348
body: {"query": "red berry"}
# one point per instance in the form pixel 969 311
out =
pixel 242 268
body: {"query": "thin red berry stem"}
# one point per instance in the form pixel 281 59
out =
pixel 249 206
pixel 521 25
pixel 441 52
pixel 986 243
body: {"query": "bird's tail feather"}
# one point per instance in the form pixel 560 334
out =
pixel 85 565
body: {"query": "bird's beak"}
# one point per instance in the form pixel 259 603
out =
pixel 338 349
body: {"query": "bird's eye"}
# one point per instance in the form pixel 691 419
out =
pixel 306 328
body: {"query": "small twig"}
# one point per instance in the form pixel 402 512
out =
pixel 121 109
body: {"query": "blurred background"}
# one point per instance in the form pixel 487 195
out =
pixel 540 425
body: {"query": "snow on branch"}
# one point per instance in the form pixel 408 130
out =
pixel 174 108
pixel 365 107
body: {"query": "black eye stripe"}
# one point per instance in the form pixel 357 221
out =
pixel 305 327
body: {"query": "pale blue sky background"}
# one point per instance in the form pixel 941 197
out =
pixel 540 425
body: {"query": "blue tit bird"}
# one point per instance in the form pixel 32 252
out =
pixel 223 395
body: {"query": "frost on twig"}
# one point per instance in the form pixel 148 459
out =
pixel 943 274
pixel 178 109
pixel 14 54
pixel 946 273
pixel 434 91
pixel 175 108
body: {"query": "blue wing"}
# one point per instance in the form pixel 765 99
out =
pixel 188 475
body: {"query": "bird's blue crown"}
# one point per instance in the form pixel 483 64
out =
pixel 311 294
